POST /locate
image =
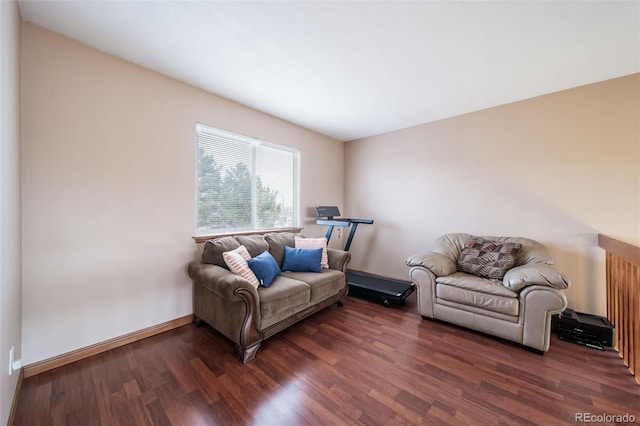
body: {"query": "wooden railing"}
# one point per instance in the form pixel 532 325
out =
pixel 623 298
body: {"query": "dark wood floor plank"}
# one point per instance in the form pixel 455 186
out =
pixel 102 397
pixel 157 415
pixel 358 364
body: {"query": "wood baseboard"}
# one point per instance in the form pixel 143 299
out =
pixel 78 354
pixel 16 395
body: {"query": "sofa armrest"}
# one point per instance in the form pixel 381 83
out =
pixel 338 259
pixel 219 280
pixel 229 304
pixel 437 263
pixel 534 274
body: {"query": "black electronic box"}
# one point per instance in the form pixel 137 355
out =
pixel 584 329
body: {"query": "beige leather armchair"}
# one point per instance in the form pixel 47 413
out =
pixel 516 306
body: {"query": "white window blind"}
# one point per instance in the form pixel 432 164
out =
pixel 244 184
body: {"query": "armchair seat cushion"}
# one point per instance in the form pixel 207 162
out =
pixel 475 283
pixel 487 301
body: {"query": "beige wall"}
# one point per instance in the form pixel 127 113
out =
pixel 10 251
pixel 109 190
pixel 559 168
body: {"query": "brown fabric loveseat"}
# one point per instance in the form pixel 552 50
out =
pixel 248 315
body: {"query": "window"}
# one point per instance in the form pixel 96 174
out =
pixel 244 184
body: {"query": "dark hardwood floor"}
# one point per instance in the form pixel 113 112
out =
pixel 358 364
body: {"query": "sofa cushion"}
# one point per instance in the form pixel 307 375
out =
pixel 284 293
pixel 490 302
pixel 255 244
pixel 277 241
pixel 302 260
pixel 488 259
pixel 322 285
pixel 213 249
pixel 236 260
pixel 265 268
pixel 307 243
pixel 475 283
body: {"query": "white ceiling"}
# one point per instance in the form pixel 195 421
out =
pixel 352 69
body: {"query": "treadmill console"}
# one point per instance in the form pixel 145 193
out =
pixel 327 211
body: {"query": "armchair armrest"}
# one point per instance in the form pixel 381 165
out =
pixel 539 303
pixel 338 259
pixel 534 274
pixel 437 263
pixel 219 280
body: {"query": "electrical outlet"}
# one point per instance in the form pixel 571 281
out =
pixel 11 360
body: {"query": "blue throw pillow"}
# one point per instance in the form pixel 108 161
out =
pixel 265 267
pixel 302 260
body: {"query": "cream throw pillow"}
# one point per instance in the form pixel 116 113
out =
pixel 236 260
pixel 311 243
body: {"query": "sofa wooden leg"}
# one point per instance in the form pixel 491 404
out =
pixel 246 355
pixel 342 302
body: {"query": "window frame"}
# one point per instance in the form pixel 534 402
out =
pixel 254 143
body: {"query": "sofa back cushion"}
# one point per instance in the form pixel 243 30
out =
pixel 255 244
pixel 277 242
pixel 274 242
pixel 213 249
